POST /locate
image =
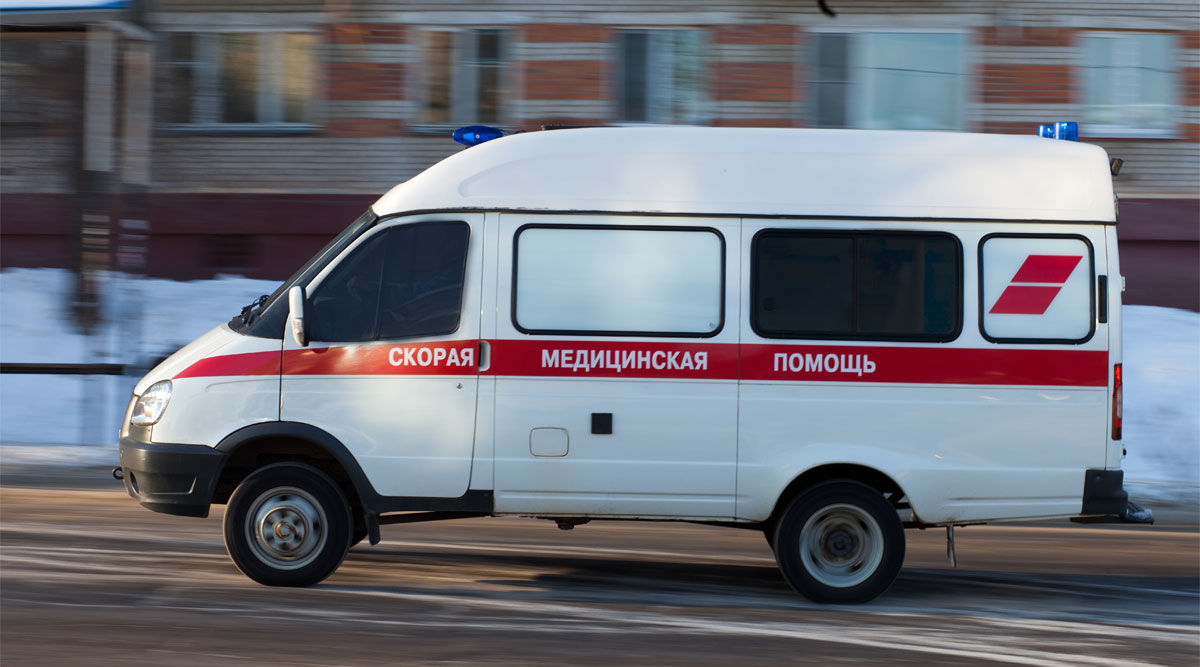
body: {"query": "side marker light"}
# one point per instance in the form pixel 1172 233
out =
pixel 1117 397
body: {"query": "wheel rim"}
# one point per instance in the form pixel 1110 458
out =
pixel 841 545
pixel 286 528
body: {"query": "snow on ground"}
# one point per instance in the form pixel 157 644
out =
pixel 1161 365
pixel 147 319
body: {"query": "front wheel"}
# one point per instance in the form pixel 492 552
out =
pixel 287 524
pixel 840 542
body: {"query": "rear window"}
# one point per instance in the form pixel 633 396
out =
pixel 1036 289
pixel 650 281
pixel 856 285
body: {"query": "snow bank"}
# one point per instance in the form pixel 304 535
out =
pixel 144 320
pixel 1162 399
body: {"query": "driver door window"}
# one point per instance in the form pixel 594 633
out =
pixel 404 282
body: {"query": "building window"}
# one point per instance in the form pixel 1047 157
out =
pixel 240 79
pixel 661 76
pixel 871 285
pixel 1129 85
pixel 890 80
pixel 465 74
pixel 628 280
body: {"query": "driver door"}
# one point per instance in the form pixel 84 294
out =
pixel 391 366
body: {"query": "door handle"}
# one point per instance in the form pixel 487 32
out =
pixel 485 355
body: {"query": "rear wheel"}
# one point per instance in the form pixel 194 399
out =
pixel 287 524
pixel 840 542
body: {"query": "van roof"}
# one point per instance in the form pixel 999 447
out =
pixel 770 172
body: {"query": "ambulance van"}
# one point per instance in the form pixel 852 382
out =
pixel 825 335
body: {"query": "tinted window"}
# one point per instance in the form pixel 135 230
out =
pixel 268 320
pixel 651 281
pixel 406 281
pixel 856 285
pixel 345 304
pixel 423 280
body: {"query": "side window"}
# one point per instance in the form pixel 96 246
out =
pixel 344 306
pixel 865 285
pixel 1036 289
pixel 406 281
pixel 423 280
pixel 649 281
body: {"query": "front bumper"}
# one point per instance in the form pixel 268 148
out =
pixel 172 479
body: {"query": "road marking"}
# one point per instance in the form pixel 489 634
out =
pixel 903 639
pixel 69 563
pixel 995 580
pixel 616 621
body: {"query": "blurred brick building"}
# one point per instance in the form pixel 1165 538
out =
pixel 275 123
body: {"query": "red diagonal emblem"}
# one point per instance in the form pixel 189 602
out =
pixel 1035 299
pixel 1046 269
pixel 1025 299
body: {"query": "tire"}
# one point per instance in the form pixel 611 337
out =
pixel 840 542
pixel 287 524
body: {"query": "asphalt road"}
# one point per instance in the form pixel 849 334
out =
pixel 89 577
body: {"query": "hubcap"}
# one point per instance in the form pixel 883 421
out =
pixel 286 528
pixel 841 545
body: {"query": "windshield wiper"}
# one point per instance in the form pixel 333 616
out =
pixel 248 312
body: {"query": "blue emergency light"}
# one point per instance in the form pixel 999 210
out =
pixel 473 135
pixel 1062 130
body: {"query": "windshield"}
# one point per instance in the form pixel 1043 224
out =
pixel 265 317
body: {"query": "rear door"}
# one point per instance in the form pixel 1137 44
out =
pixel 391 369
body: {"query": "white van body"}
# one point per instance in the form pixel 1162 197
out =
pixel 675 323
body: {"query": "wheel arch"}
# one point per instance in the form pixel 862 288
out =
pixel 854 472
pixel 258 445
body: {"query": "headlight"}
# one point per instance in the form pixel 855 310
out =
pixel 152 404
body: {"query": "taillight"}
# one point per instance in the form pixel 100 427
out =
pixel 1116 408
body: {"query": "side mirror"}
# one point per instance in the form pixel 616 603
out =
pixel 296 315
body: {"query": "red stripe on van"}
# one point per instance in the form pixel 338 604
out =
pixel 250 363
pixel 614 359
pixel 681 361
pixel 456 357
pixel 925 365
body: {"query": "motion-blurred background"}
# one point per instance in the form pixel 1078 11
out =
pixel 188 139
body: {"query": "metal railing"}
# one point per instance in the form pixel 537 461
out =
pixel 62 369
